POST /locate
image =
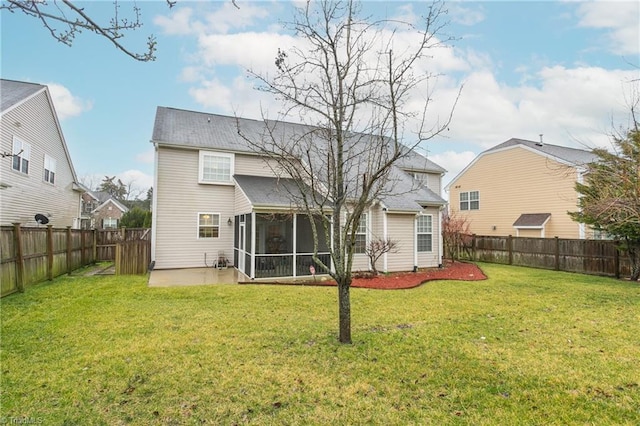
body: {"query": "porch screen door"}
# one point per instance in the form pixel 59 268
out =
pixel 241 244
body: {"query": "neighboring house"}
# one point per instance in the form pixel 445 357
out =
pixel 215 198
pixel 101 211
pixel 521 188
pixel 36 172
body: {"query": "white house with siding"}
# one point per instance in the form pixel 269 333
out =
pixel 36 172
pixel 215 197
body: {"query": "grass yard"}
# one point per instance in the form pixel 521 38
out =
pixel 525 346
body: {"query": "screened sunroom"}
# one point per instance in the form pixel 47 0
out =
pixel 270 245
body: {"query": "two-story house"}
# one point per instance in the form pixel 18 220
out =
pixel 36 172
pixel 521 188
pixel 100 210
pixel 215 196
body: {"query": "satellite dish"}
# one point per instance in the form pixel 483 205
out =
pixel 42 219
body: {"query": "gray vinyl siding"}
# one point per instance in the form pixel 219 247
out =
pixel 434 183
pixel 400 228
pixel 30 194
pixel 180 199
pixel 242 204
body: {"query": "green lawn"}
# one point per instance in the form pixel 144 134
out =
pixel 525 346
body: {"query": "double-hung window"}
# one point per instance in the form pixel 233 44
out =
pixel 21 155
pixel 424 233
pixel 470 200
pixel 208 225
pixel 215 167
pixel 361 235
pixel 49 169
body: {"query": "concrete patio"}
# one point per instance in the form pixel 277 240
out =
pixel 193 276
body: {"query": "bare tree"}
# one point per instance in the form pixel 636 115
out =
pixel 376 248
pixel 352 89
pixel 75 19
pixel 455 234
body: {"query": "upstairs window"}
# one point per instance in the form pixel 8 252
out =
pixel 361 235
pixel 470 200
pixel 208 225
pixel 420 179
pixel 49 169
pixel 21 155
pixel 424 233
pixel 215 167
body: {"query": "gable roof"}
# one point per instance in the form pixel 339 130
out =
pixel 15 93
pixel 562 154
pixel 199 130
pixel 113 201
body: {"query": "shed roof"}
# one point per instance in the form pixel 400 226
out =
pixel 532 220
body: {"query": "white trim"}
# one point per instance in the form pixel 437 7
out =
pixel 440 239
pixel 204 153
pixel 253 245
pixel 424 233
pixel 295 242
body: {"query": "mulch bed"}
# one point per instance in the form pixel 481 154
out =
pixel 460 271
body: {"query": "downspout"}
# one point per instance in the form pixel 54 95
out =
pixel 441 242
pixel 415 243
pixel 385 265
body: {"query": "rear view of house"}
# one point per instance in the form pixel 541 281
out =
pixel 36 172
pixel 521 188
pixel 217 201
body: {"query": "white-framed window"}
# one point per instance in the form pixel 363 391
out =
pixel 215 167
pixel 208 225
pixel 424 233
pixel 49 169
pixel 361 235
pixel 470 200
pixel 21 155
pixel 109 222
pixel 420 179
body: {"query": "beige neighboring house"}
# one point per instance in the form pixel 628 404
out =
pixel 521 188
pixel 36 172
pixel 216 199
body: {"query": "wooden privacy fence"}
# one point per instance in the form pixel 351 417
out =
pixel 133 257
pixel 29 255
pixel 594 257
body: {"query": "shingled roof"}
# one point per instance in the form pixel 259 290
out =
pixel 12 93
pixel 574 156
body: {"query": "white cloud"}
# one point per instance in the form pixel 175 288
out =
pixel 620 18
pixel 453 162
pixel 146 157
pixel 466 15
pixel 140 182
pixel 65 103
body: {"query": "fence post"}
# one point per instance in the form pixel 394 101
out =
pixel 616 260
pixel 69 263
pixel 557 253
pixel 473 248
pixel 17 236
pixel 94 248
pixel 83 257
pixel 50 252
pixel 510 248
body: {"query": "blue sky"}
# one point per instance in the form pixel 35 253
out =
pixel 557 68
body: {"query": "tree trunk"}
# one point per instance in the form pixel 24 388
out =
pixel 344 304
pixel 634 260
